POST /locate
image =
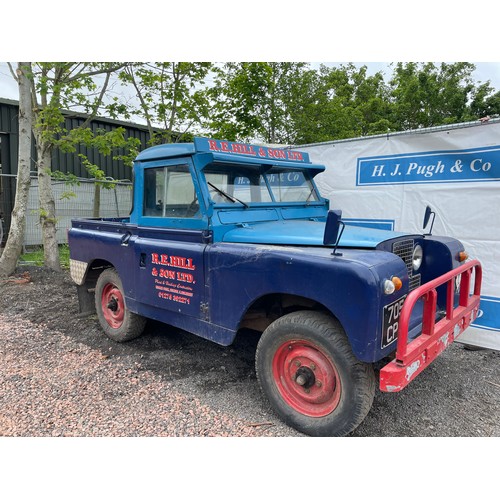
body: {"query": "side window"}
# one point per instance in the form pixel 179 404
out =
pixel 169 192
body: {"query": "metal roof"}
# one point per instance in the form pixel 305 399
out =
pixel 388 135
pixel 76 114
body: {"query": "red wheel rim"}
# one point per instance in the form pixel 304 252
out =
pixel 112 305
pixel 306 378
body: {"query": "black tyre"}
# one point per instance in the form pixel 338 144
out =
pixel 307 370
pixel 118 323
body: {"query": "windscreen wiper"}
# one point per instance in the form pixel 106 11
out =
pixel 229 197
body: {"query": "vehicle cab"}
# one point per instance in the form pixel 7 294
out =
pixel 218 186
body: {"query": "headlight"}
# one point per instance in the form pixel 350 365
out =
pixel 417 257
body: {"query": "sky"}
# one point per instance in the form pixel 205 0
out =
pixel 224 30
pixel 484 71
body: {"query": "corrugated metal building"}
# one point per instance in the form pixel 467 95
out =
pixel 64 162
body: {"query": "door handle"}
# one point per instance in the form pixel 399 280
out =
pixel 125 239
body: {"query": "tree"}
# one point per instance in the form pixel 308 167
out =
pixel 58 86
pixel 256 100
pixel 342 102
pixel 426 95
pixel 485 102
pixel 14 245
pixel 172 97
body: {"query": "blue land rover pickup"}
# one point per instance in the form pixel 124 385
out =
pixel 225 236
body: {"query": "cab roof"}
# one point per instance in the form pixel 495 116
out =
pixel 218 151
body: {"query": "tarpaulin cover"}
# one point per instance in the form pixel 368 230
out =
pixel 387 181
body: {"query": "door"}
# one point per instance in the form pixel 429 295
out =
pixel 171 241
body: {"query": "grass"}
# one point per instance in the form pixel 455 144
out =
pixel 34 256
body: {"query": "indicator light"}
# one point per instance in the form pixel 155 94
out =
pixel 397 283
pixel 392 285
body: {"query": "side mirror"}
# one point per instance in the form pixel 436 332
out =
pixel 427 216
pixel 332 228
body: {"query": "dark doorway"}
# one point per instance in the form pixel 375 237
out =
pixel 7 186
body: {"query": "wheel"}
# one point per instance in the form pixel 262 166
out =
pixel 118 323
pixel 308 372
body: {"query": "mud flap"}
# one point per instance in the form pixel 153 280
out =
pixel 86 301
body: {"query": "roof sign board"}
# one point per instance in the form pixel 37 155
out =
pixel 203 144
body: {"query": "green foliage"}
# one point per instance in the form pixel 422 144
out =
pixel 112 143
pixel 273 102
pixel 108 143
pixel 43 217
pixel 256 100
pixel 344 102
pixel 426 95
pixel 62 86
pixel 173 97
pixel 67 195
pixel 67 178
pixel 35 256
pixel 291 103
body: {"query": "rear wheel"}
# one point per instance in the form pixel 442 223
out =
pixel 118 323
pixel 307 370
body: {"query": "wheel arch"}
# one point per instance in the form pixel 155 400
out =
pixel 269 307
pixel 95 268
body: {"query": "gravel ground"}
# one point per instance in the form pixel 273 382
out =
pixel 62 377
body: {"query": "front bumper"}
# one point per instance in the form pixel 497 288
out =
pixel 414 356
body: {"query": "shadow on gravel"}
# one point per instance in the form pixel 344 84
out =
pixel 176 354
pixel 50 299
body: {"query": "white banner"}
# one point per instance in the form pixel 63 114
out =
pixel 387 181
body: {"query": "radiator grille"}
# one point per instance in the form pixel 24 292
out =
pixel 404 250
pixel 414 282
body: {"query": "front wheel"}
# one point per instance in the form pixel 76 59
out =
pixel 118 323
pixel 307 370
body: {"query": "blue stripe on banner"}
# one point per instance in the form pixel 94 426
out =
pixel 387 224
pixel 466 165
pixel 489 314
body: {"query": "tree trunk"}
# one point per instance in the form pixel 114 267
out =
pixel 97 200
pixel 14 245
pixel 47 206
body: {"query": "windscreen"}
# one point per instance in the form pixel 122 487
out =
pixel 231 183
